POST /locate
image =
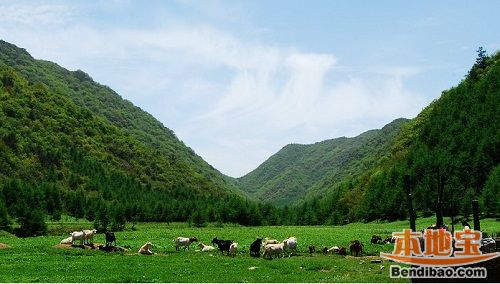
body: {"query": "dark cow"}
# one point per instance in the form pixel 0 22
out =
pixel 355 247
pixel 255 248
pixel 376 239
pixel 343 251
pixel 223 245
pixel 325 250
pixel 312 249
pixel 110 238
pixel 389 240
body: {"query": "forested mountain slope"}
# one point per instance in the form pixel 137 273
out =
pixel 457 138
pixel 105 103
pixel 70 145
pixel 297 171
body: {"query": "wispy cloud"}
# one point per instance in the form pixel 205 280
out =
pixel 234 100
pixel 35 14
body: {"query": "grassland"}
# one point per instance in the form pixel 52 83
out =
pixel 37 260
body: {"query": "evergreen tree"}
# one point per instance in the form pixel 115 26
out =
pixel 4 217
pixel 32 221
pixel 118 220
pixel 490 196
pixel 199 219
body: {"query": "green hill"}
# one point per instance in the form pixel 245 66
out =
pixel 70 145
pixel 299 171
pixel 457 138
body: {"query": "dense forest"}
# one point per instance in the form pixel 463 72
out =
pixel 297 171
pixel 71 146
pixel 456 138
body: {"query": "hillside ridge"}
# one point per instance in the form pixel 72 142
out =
pixel 317 165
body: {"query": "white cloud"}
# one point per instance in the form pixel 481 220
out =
pixel 235 101
pixel 30 14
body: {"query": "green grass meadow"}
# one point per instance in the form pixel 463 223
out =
pixel 37 260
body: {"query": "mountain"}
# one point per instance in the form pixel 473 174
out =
pixel 299 171
pixel 108 105
pixel 74 146
pixel 455 140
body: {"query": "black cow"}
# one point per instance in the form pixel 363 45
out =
pixel 223 245
pixel 355 247
pixel 325 250
pixel 376 239
pixel 110 238
pixel 342 251
pixel 312 249
pixel 255 248
pixel 389 240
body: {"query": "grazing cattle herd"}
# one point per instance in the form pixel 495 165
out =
pixel 268 248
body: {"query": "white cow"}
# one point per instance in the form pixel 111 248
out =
pixel 146 249
pixel 333 249
pixel 271 250
pixel 89 236
pixel 204 247
pixel 77 236
pixel 290 245
pixel 66 241
pixel 268 241
pixel 184 242
pixel 233 248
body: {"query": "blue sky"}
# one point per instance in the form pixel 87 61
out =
pixel 238 80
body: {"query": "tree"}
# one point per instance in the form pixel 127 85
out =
pixel 118 219
pixel 490 196
pixel 4 217
pixel 481 57
pixel 199 218
pixel 101 221
pixel 32 222
pixel 480 64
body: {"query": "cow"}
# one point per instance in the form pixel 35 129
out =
pixel 255 248
pixel 290 245
pixel 75 236
pixel 268 241
pixel 271 250
pixel 488 245
pixel 376 239
pixel 325 250
pixel 146 249
pixel 312 249
pixel 89 235
pixel 66 241
pixel 389 240
pixel 233 248
pixel 355 247
pixel 223 245
pixel 110 238
pixel 333 249
pixel 184 242
pixel 204 247
pixel 343 251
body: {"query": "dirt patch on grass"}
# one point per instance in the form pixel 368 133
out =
pixel 95 246
pixel 4 246
pixel 62 246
